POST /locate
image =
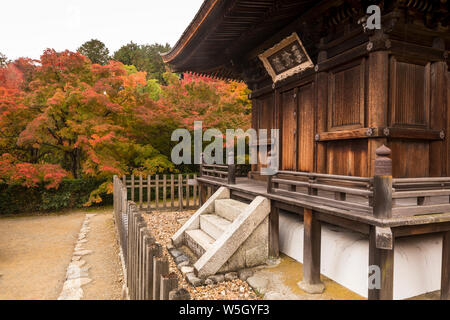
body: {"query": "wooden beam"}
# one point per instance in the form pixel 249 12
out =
pixel 274 247
pixel 445 273
pixel 311 254
pixel 381 264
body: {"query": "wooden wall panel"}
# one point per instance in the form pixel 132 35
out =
pixel 306 128
pixel 346 95
pixel 410 158
pixel 265 117
pixel 410 94
pixel 438 118
pixel 347 157
pixel 288 116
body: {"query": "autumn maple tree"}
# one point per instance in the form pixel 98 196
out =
pixel 65 117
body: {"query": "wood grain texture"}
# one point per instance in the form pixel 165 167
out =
pixel 384 259
pixel 347 158
pixel 288 130
pixel 306 128
pixel 346 96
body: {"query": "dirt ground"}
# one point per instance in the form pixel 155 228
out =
pixel 105 269
pixel 36 250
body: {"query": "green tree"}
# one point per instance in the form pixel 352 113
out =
pixel 96 51
pixel 146 58
pixel 3 60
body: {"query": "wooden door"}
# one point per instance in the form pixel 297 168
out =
pixel 288 131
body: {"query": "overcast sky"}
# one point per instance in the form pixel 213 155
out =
pixel 27 27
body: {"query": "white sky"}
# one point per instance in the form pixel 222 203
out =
pixel 27 27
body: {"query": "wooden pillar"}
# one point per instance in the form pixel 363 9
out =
pixel 274 247
pixel 381 266
pixel 445 276
pixel 321 113
pixel 381 242
pixel 382 184
pixel 377 98
pixel 311 254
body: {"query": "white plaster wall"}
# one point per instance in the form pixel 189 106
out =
pixel 345 257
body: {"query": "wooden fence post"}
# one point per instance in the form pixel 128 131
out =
pixel 153 251
pixel 231 168
pixel 381 253
pixel 132 187
pixel 180 294
pixel 157 191
pixel 169 282
pixel 140 191
pixel 160 267
pixel 187 191
pixel 172 191
pixel 180 192
pixel 165 191
pixel 149 192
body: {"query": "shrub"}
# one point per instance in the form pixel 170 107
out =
pixel 72 193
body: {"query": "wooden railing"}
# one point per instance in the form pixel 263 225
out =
pixel 380 195
pixel 147 275
pixel 226 173
pixel 418 196
pixel 165 191
pixel 343 192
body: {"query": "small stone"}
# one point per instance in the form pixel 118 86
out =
pixel 193 280
pixel 231 276
pixel 244 274
pixel 81 241
pixel 209 282
pixel 73 283
pixel 183 264
pixel 170 247
pixel 91 215
pixel 76 258
pixel 272 295
pixel 175 253
pixel 181 259
pixel 258 283
pixel 77 273
pixel 317 288
pixel 218 278
pixel 82 252
pixel 187 269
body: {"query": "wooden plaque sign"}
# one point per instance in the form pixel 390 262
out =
pixel 286 58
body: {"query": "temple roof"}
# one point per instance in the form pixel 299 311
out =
pixel 223 31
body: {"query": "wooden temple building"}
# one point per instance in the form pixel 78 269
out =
pixel 363 114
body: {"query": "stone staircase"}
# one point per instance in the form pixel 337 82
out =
pixel 226 235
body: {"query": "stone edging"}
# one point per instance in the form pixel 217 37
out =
pixel 77 274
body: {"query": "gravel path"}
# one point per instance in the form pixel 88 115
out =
pixel 168 223
pixel 36 251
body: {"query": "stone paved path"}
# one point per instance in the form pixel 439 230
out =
pixel 36 251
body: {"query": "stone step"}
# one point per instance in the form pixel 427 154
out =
pixel 213 225
pixel 198 241
pixel 229 209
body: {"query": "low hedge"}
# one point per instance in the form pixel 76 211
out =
pixel 73 193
